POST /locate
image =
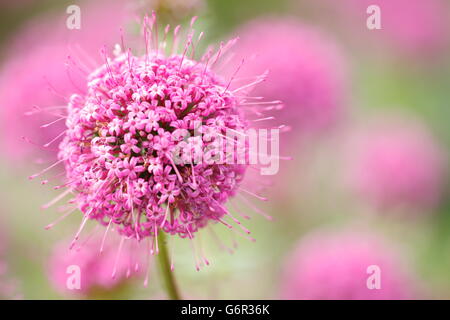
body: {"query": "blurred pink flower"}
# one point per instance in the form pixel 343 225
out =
pixel 24 86
pixel 412 27
pixel 34 73
pixel 104 270
pixel 395 165
pixel 335 266
pixel 306 70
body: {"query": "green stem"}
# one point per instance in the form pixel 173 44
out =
pixel 164 266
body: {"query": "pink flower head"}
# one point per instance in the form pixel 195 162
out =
pixel 344 266
pixel 305 70
pixel 143 149
pixel 40 71
pixel 99 265
pixel 395 165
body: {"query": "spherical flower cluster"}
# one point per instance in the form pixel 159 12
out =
pixel 396 165
pixel 121 141
pixel 95 265
pixel 344 266
pixel 306 70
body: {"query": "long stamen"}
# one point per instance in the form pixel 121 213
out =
pixel 253 194
pixel 80 229
pixel 175 39
pixel 175 168
pixel 53 122
pixel 165 215
pixel 57 199
pixel 27 140
pixel 234 74
pixel 51 225
pixel 113 275
pixel 241 214
pixel 219 242
pixel 227 212
pixel 256 209
pixel 54 139
pixel 194 253
pixel 105 234
pixel 252 84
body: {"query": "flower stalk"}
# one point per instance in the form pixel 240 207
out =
pixel 165 268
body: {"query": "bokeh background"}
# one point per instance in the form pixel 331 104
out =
pixel 369 117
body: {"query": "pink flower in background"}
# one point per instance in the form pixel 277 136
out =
pixel 396 164
pixel 335 266
pixel 306 70
pixel 104 270
pixel 23 86
pixel 34 73
pixel 413 27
